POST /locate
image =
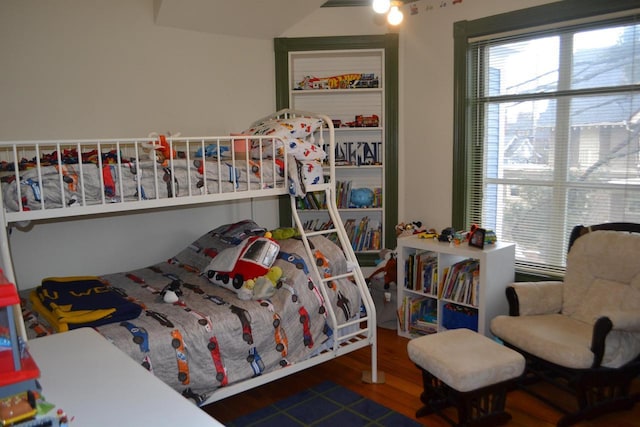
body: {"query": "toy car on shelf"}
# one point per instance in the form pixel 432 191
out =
pixel 362 121
pixel 367 81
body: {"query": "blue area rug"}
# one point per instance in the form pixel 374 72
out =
pixel 327 404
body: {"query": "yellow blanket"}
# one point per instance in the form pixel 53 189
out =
pixel 77 301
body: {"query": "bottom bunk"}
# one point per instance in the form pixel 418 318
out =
pixel 200 324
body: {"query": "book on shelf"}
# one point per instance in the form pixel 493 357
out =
pixel 312 200
pixel 400 314
pixel 418 315
pixel 343 194
pixel 408 272
pixel 364 235
pixel 357 153
pixel 443 278
pixel 426 272
pixel 377 197
pixel 421 272
pixel 358 234
pixel 461 282
pixel 317 224
pixel 423 328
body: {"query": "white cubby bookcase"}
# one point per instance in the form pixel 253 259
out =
pixel 433 298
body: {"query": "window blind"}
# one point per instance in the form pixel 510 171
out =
pixel 553 135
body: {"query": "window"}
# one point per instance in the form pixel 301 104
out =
pixel 549 125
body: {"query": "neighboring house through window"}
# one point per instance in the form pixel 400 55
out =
pixel 547 124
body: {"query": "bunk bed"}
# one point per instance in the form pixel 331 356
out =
pixel 212 338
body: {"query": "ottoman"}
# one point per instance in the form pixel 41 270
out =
pixel 469 371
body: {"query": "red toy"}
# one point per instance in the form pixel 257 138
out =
pixel 163 151
pixel 389 269
pixel 250 259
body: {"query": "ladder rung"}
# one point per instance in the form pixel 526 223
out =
pixel 318 187
pixel 320 232
pixel 339 276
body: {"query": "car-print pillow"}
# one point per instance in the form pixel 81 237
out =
pixel 198 255
pixel 297 127
pixel 298 147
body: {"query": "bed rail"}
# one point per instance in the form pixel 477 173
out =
pixel 66 178
pixel 53 179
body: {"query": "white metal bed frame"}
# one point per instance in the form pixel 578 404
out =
pixel 349 337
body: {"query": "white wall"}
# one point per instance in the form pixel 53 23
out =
pixel 102 68
pixel 339 21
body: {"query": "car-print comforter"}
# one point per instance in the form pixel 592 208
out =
pixel 210 338
pixel 88 184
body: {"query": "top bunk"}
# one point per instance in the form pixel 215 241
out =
pixel 284 153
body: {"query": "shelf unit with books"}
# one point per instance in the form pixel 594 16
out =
pixel 352 79
pixel 446 286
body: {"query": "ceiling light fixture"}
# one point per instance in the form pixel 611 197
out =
pixel 391 8
pixel 381 6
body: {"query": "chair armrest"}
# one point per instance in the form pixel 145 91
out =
pixel 624 320
pixel 601 329
pixel 531 298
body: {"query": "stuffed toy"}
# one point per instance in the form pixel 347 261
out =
pixel 250 259
pixel 262 287
pixel 160 150
pixel 284 233
pixel 362 198
pixel 408 229
pixel 172 292
pixel 388 267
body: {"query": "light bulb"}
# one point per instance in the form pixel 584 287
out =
pixel 381 6
pixel 395 16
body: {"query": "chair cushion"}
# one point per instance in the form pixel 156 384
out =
pixel 606 296
pixel 564 340
pixel 559 339
pixel 608 262
pixel 602 278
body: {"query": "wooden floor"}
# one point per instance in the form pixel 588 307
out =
pixel 400 391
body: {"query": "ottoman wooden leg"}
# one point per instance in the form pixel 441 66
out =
pixel 434 395
pixel 483 407
pixel 477 408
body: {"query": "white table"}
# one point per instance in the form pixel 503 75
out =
pixel 97 384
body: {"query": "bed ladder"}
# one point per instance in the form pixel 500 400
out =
pixel 354 273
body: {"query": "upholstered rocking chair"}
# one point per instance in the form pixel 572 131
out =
pixel 583 333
